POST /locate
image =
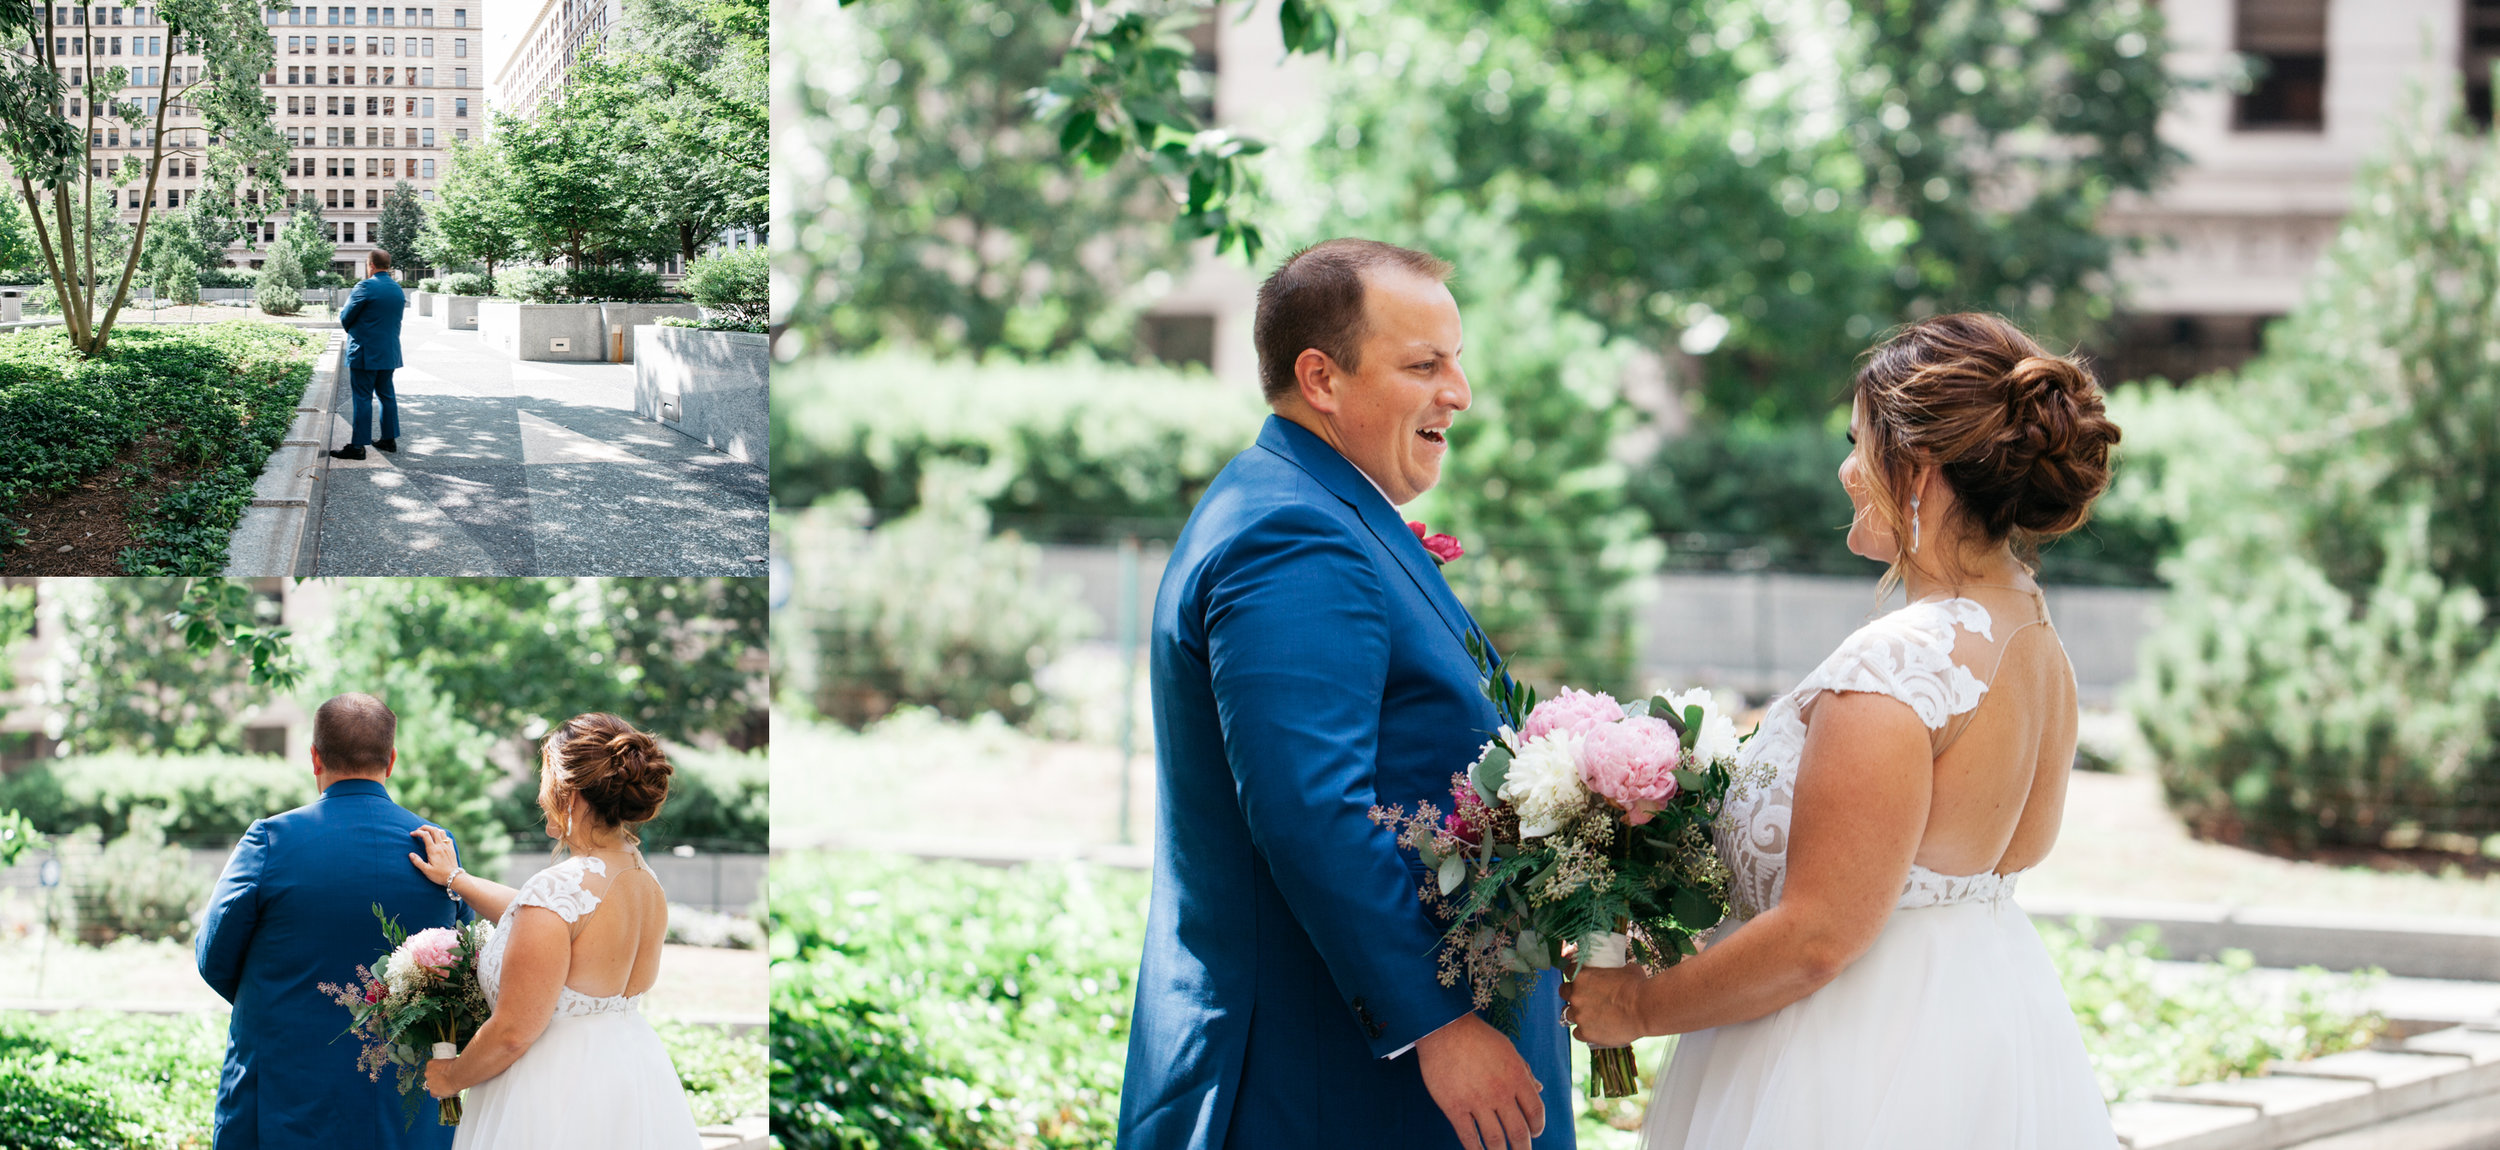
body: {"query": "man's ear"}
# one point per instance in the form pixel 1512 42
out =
pixel 1316 376
pixel 393 762
pixel 316 761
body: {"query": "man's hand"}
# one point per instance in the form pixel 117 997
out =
pixel 1481 1085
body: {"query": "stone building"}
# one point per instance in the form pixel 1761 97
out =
pixel 367 95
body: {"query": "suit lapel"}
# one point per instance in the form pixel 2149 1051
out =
pixel 1334 472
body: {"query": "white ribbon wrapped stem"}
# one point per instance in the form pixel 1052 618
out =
pixel 1605 951
pixel 446 1050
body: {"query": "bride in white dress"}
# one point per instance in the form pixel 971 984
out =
pixel 1876 986
pixel 566 1061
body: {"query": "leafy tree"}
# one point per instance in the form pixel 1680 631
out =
pixel 303 232
pixel 474 220
pixel 573 196
pixel 928 207
pixel 1762 189
pixel 175 242
pixel 403 218
pixel 17 240
pixel 2329 666
pixel 685 81
pixel 65 189
pixel 133 682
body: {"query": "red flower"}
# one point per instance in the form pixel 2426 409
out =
pixel 1443 547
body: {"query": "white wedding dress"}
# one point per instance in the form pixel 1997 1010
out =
pixel 597 1078
pixel 1950 1033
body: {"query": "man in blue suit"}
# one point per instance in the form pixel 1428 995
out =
pixel 371 318
pixel 1309 661
pixel 294 910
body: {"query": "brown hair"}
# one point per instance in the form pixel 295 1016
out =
pixel 2019 434
pixel 353 733
pixel 381 260
pixel 619 771
pixel 1315 300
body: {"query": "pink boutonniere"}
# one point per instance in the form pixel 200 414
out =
pixel 1443 547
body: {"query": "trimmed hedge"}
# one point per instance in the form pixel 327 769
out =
pixel 218 398
pixel 209 800
pixel 1073 450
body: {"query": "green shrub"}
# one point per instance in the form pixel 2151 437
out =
pixel 430 283
pixel 533 285
pixel 277 298
pixel 2146 1032
pixel 469 283
pixel 715 323
pixel 724 1074
pixel 928 609
pixel 2329 666
pixel 738 284
pixel 718 800
pixel 206 800
pixel 183 284
pixel 217 399
pixel 139 886
pixel 1071 451
pixel 632 285
pixel 932 1005
pixel 50 1103
pixel 228 277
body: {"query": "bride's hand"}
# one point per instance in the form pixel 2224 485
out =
pixel 440 859
pixel 1602 1005
pixel 438 1078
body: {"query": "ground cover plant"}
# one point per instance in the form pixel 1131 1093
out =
pixel 140 462
pixel 87 1080
pixel 936 1005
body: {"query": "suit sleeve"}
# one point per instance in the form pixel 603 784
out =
pixel 356 301
pixel 233 915
pixel 1298 627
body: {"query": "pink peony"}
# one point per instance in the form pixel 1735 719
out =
pixel 433 947
pixel 1468 808
pixel 1443 547
pixel 1632 764
pixel 1573 710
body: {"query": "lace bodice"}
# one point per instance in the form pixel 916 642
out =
pixel 1907 655
pixel 558 888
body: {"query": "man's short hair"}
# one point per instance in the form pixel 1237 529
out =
pixel 1315 300
pixel 353 734
pixel 381 260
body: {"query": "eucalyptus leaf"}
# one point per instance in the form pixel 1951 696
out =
pixel 1489 773
pixel 1453 873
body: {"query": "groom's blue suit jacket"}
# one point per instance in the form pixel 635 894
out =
pixel 1309 662
pixel 294 909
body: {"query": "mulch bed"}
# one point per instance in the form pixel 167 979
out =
pixel 82 531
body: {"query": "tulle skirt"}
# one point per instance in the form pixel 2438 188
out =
pixel 1951 1032
pixel 590 1082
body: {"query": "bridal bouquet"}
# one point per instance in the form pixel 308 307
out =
pixel 1585 821
pixel 423 1004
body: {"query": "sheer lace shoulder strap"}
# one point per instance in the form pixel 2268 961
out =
pixel 1908 655
pixel 560 888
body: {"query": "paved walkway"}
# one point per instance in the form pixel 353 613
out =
pixel 509 467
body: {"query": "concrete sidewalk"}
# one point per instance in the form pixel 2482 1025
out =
pixel 519 468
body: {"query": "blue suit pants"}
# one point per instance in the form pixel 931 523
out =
pixel 365 386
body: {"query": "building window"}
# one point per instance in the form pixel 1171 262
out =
pixel 2286 43
pixel 459 77
pixel 460 109
pixel 425 17
pixel 460 48
pixel 428 113
pixel 1180 339
pixel 332 196
pixel 429 47
pixel 372 197
pixel 429 140
pixel 2482 51
pixel 459 17
pixel 426 168
pixel 390 168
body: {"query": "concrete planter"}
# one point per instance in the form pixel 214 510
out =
pixel 547 332
pixel 713 386
pixel 459 312
pixel 425 303
pixel 617 322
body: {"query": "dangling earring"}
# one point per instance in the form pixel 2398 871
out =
pixel 1914 525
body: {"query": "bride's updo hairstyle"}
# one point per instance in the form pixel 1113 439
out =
pixel 619 772
pixel 2020 435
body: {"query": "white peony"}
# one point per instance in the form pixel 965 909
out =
pixel 1544 783
pixel 400 971
pixel 1718 729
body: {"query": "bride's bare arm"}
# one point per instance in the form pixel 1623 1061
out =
pixel 1863 787
pixel 536 961
pixel 487 897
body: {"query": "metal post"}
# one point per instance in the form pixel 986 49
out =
pixel 1127 629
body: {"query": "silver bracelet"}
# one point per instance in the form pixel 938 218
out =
pixel 454 877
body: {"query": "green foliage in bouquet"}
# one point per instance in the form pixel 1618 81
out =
pixel 948 1006
pixel 400 1018
pixel 2329 667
